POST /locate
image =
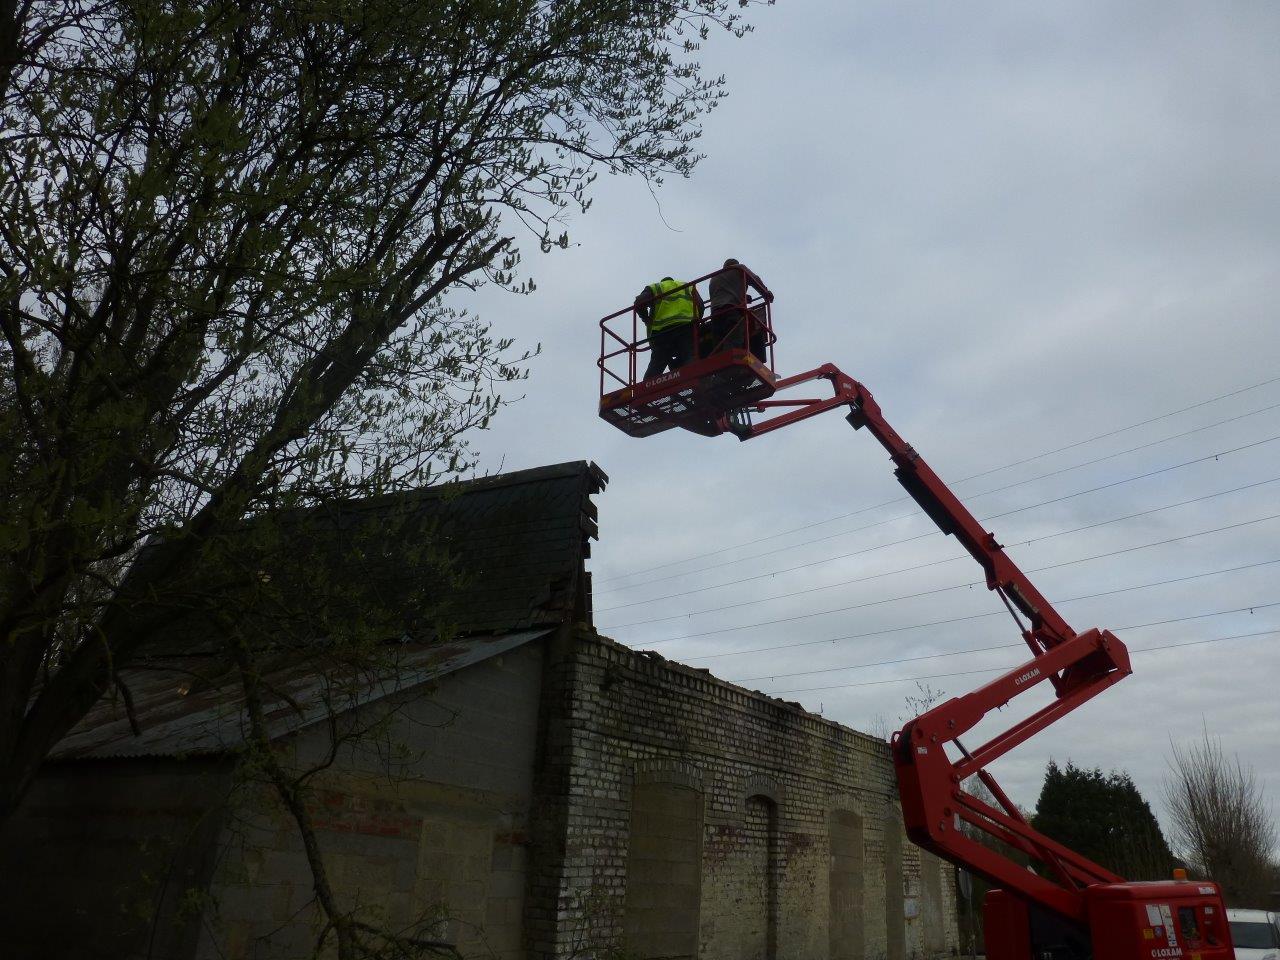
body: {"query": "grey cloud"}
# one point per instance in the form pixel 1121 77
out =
pixel 1020 225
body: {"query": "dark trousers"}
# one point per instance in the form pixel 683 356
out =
pixel 727 333
pixel 671 348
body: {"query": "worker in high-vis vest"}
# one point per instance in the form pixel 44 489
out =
pixel 669 309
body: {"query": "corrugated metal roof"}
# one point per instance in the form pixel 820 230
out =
pixel 195 704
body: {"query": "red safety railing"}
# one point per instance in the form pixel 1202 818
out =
pixel 623 340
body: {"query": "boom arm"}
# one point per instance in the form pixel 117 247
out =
pixel 1078 665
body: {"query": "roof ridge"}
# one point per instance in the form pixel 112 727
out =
pixel 452 488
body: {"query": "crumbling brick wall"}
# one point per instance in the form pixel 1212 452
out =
pixel 771 784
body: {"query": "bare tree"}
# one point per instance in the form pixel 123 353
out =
pixel 924 699
pixel 1221 823
pixel 914 704
pixel 881 726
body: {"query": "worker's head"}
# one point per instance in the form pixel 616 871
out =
pixel 731 262
pixel 666 278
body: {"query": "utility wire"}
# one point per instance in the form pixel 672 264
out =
pixel 1000 646
pixel 1112 433
pixel 973 476
pixel 959 586
pixel 920 566
pixel 1112 456
pixel 976 616
pixel 970 673
pixel 931 563
pixel 913 514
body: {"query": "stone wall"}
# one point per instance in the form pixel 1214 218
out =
pixel 795 815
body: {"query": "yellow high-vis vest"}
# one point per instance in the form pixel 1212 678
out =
pixel 672 305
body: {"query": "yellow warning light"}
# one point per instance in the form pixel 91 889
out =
pixel 1179 873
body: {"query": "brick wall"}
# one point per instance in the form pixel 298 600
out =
pixel 768 780
pixel 564 800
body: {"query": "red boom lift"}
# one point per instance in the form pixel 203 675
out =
pixel 1065 907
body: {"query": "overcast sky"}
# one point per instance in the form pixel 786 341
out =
pixel 1021 226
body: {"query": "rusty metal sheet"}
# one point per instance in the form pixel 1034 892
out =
pixel 195 705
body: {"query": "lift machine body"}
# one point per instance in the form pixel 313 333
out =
pixel 1064 907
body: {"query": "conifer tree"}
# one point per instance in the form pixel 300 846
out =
pixel 1104 817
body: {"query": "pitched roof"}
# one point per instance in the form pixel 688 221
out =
pixel 195 705
pixel 515 544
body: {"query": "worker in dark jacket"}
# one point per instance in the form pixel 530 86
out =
pixel 732 324
pixel 669 309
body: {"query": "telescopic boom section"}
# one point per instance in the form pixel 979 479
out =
pixel 1078 666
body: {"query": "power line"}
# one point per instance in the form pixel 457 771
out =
pixel 976 616
pixel 1112 433
pixel 915 514
pixel 1143 446
pixel 919 566
pixel 974 476
pixel 1000 646
pixel 922 566
pixel 959 586
pixel 970 673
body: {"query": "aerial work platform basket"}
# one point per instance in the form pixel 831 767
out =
pixel 725 374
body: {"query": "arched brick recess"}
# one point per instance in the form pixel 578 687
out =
pixel 664 861
pixel 846 885
pixel 762 785
pixel 846 801
pixel 669 771
pixel 894 893
pixel 932 905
